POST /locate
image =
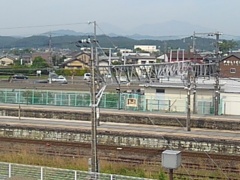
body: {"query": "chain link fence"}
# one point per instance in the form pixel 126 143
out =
pixel 126 101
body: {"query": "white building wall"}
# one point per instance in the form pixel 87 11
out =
pixel 176 98
pixel 141 69
pixel 148 48
pixel 231 103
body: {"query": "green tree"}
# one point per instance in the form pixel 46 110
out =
pixel 139 50
pixel 226 46
pixel 58 60
pixel 116 63
pixel 39 62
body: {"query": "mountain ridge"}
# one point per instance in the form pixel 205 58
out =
pixel 70 41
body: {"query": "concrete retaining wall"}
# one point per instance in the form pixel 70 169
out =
pixel 177 120
pixel 123 139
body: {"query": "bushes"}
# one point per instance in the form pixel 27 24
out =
pixel 45 71
pixel 70 72
pixel 26 71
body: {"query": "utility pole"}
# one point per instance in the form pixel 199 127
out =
pixel 194 95
pixel 94 163
pixel 188 99
pixel 217 74
pixel 194 76
pixel 216 85
pixel 165 51
pixel 50 50
pixel 94 156
pixel 94 98
pixel 95 42
pixel 194 42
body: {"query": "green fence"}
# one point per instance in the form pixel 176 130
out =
pixel 125 101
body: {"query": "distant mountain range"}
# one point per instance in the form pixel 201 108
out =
pixel 134 36
pixel 169 30
pixel 70 41
pixel 171 34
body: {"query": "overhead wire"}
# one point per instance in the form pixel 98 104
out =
pixel 37 26
pixel 105 54
pixel 195 140
pixel 171 147
pixel 106 36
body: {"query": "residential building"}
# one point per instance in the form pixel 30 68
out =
pixel 230 67
pixel 6 60
pixel 125 51
pixel 26 59
pixel 182 55
pixel 104 63
pixel 80 61
pixel 45 55
pixel 140 59
pixel 148 48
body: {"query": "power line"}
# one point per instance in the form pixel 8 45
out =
pixel 107 36
pixel 48 25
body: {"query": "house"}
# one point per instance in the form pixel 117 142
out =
pixel 182 55
pixel 71 55
pixel 108 59
pixel 6 60
pixel 230 66
pixel 147 48
pixel 80 61
pixel 103 69
pixel 26 59
pixel 141 60
pixel 45 55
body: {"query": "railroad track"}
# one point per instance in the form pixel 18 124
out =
pixel 129 155
pixel 148 151
pixel 77 85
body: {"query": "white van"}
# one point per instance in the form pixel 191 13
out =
pixel 87 76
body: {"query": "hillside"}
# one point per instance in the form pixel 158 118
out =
pixel 69 41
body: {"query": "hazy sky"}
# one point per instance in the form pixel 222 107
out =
pixel 221 15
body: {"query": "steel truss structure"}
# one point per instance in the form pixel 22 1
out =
pixel 153 72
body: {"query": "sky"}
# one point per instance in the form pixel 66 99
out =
pixel 33 17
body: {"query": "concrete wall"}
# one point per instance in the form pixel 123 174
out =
pixel 186 143
pixel 209 122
